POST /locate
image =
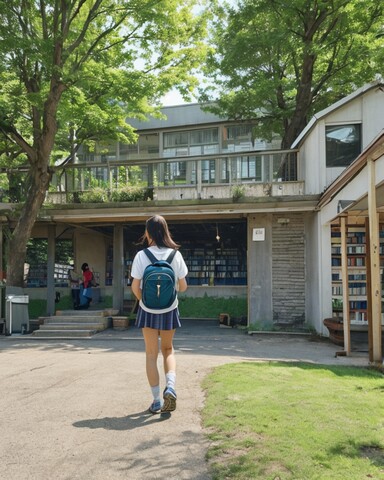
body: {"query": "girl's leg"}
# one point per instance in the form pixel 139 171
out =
pixel 167 350
pixel 151 339
pixel 169 394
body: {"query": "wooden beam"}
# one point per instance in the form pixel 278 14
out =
pixel 369 288
pixel 344 278
pixel 374 239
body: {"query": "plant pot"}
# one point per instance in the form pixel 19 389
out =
pixel 120 323
pixel 336 330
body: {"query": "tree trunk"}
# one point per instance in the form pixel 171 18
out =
pixel 22 232
pixel 303 103
pixel 39 178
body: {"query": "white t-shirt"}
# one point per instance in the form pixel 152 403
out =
pixel 141 261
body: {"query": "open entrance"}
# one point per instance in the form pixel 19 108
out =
pixel 214 251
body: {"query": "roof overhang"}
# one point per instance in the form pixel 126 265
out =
pixel 108 214
pixel 348 194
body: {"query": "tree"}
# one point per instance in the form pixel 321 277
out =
pixel 279 61
pixel 76 69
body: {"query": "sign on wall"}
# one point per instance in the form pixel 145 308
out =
pixel 258 234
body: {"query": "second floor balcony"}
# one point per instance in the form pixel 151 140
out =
pixel 230 176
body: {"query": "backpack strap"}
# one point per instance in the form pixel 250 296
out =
pixel 171 256
pixel 150 255
pixel 153 259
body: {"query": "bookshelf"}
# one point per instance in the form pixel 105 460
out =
pixel 357 272
pixel 215 266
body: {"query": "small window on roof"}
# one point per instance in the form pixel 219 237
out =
pixel 343 144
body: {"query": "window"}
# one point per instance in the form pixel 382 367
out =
pixel 237 138
pixel 251 168
pixel 343 144
pixel 192 142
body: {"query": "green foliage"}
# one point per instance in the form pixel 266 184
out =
pixel 238 192
pixel 294 421
pixel 129 194
pixel 37 251
pixel 96 195
pixel 72 72
pixel 337 303
pixel 211 307
pixel 38 308
pixel 113 61
pixel 279 62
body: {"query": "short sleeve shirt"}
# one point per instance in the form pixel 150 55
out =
pixel 141 261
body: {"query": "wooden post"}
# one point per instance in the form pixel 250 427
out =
pixel 369 287
pixel 118 267
pixel 51 271
pixel 374 240
pixel 344 277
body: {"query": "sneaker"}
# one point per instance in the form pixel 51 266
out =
pixel 155 407
pixel 170 397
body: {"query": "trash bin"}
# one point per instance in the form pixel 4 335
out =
pixel 17 317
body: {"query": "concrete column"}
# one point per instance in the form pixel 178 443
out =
pixel 51 271
pixel 118 268
pixel 259 259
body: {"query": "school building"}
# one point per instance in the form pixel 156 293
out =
pixel 292 231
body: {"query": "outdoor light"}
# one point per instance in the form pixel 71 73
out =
pixel 217 233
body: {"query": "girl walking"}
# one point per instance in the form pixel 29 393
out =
pixel 159 323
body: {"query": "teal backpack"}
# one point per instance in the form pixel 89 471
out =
pixel 159 282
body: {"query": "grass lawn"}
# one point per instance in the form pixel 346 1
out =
pixel 204 307
pixel 296 421
pixel 211 307
pixel 38 308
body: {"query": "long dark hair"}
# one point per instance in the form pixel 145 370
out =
pixel 158 231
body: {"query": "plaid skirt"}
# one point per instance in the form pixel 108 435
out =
pixel 158 321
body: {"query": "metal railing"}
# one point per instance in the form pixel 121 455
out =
pixel 134 179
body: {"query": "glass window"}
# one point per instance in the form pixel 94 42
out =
pixel 204 137
pixel 191 142
pixel 208 171
pixel 148 144
pixel 237 138
pixel 175 139
pixel 343 144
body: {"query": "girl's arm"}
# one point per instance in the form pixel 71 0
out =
pixel 182 287
pixel 136 290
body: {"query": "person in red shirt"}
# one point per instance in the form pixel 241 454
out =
pixel 86 290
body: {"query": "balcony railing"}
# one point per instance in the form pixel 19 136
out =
pixel 175 178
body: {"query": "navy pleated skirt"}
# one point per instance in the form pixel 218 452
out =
pixel 158 321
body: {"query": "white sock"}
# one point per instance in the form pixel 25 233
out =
pixel 171 379
pixel 156 393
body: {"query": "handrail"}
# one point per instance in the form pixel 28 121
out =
pixel 197 171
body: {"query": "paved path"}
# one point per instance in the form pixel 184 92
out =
pixel 76 409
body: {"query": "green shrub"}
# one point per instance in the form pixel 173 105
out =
pixel 128 194
pixel 38 308
pixel 211 307
pixel 238 192
pixel 96 195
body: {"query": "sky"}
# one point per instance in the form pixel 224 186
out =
pixel 172 98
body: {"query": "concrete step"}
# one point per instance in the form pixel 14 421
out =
pixel 74 323
pixel 73 326
pixel 63 333
pixel 76 319
pixel 108 312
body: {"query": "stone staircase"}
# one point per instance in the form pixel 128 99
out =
pixel 74 323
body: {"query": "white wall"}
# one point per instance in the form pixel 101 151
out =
pixel 366 109
pixel 90 247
